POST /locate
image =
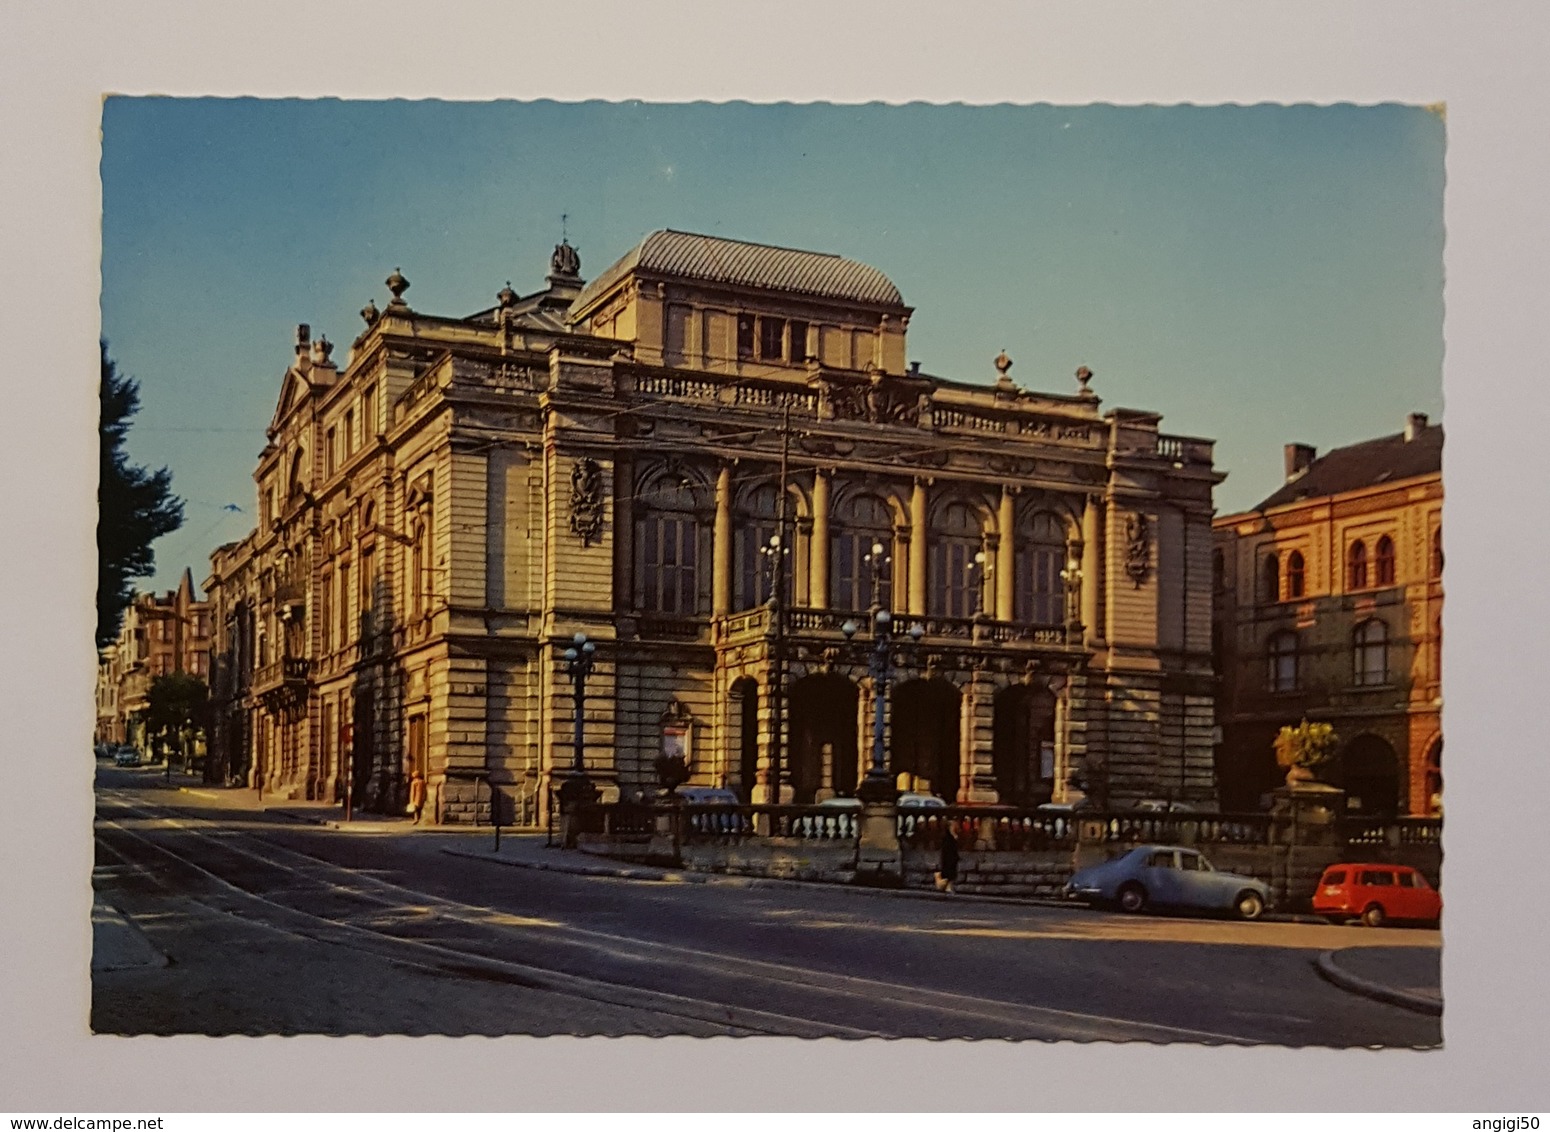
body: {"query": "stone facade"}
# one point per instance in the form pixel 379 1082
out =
pixel 161 634
pixel 1329 607
pixel 708 461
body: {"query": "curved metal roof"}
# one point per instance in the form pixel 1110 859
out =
pixel 741 264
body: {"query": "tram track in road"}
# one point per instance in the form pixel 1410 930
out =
pixel 315 899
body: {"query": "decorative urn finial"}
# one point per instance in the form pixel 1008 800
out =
pixel 321 349
pixel 1003 363
pixel 370 313
pixel 506 296
pixel 1083 376
pixel 398 285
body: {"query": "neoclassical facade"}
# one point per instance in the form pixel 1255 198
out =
pixel 708 460
pixel 1329 606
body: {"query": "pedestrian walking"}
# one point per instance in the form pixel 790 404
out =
pixel 947 871
pixel 417 796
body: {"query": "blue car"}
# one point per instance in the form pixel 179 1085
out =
pixel 1167 876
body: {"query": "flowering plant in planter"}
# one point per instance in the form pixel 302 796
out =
pixel 1305 748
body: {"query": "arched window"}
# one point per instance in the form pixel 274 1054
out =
pixel 1272 577
pixel 1370 654
pixel 755 525
pixel 1296 584
pixel 956 579
pixel 298 463
pixel 1281 656
pixel 1038 594
pixel 667 548
pixel 1383 561
pixel 1356 566
pixel 866 525
pixel 1437 553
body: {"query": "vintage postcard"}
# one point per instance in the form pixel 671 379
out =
pixel 923 571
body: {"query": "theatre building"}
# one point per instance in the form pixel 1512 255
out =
pixel 713 460
pixel 1329 607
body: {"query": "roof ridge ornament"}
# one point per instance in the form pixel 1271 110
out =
pixel 1083 376
pixel 506 296
pixel 397 284
pixel 566 260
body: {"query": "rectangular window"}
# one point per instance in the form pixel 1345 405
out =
pixel 772 332
pixel 798 341
pixel 326 612
pixel 745 336
pixel 368 415
pixel 344 604
pixel 675 340
pixel 330 455
pixel 349 431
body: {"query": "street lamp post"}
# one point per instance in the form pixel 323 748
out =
pixel 878 785
pixel 577 790
pixel 775 559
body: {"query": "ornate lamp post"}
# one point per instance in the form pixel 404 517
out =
pixel 775 562
pixel 577 789
pixel 878 785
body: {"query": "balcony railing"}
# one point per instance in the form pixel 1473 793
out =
pixel 287 672
pixel 754 623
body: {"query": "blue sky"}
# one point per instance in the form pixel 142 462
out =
pixel 1256 274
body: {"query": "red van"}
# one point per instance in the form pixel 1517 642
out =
pixel 1377 893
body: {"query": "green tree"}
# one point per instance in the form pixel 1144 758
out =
pixel 176 710
pixel 135 506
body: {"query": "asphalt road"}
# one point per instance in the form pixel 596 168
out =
pixel 274 927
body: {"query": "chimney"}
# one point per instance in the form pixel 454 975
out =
pixel 1415 425
pixel 1298 457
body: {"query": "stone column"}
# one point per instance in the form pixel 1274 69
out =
pixel 721 558
pixel 917 606
pixel 818 578
pixel 1092 570
pixel 1006 551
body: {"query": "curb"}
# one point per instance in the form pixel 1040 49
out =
pixel 1332 972
pixel 678 876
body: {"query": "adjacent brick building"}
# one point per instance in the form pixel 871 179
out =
pixel 1329 606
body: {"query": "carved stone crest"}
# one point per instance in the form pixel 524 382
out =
pixel 565 260
pixel 586 499
pixel 1138 548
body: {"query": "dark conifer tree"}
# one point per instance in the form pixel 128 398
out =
pixel 135 506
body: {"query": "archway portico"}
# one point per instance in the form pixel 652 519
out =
pixel 926 730
pixel 823 737
pixel 1023 751
pixel 1368 770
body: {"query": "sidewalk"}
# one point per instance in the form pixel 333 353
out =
pixel 1403 976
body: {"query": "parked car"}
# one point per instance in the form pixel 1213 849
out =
pixel 1080 806
pixel 126 756
pixel 1162 806
pixel 1167 876
pixel 706 795
pixel 1377 894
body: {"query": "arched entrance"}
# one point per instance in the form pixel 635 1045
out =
pixel 1023 745
pixel 1369 772
pixel 823 730
pixel 925 735
pixel 745 721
